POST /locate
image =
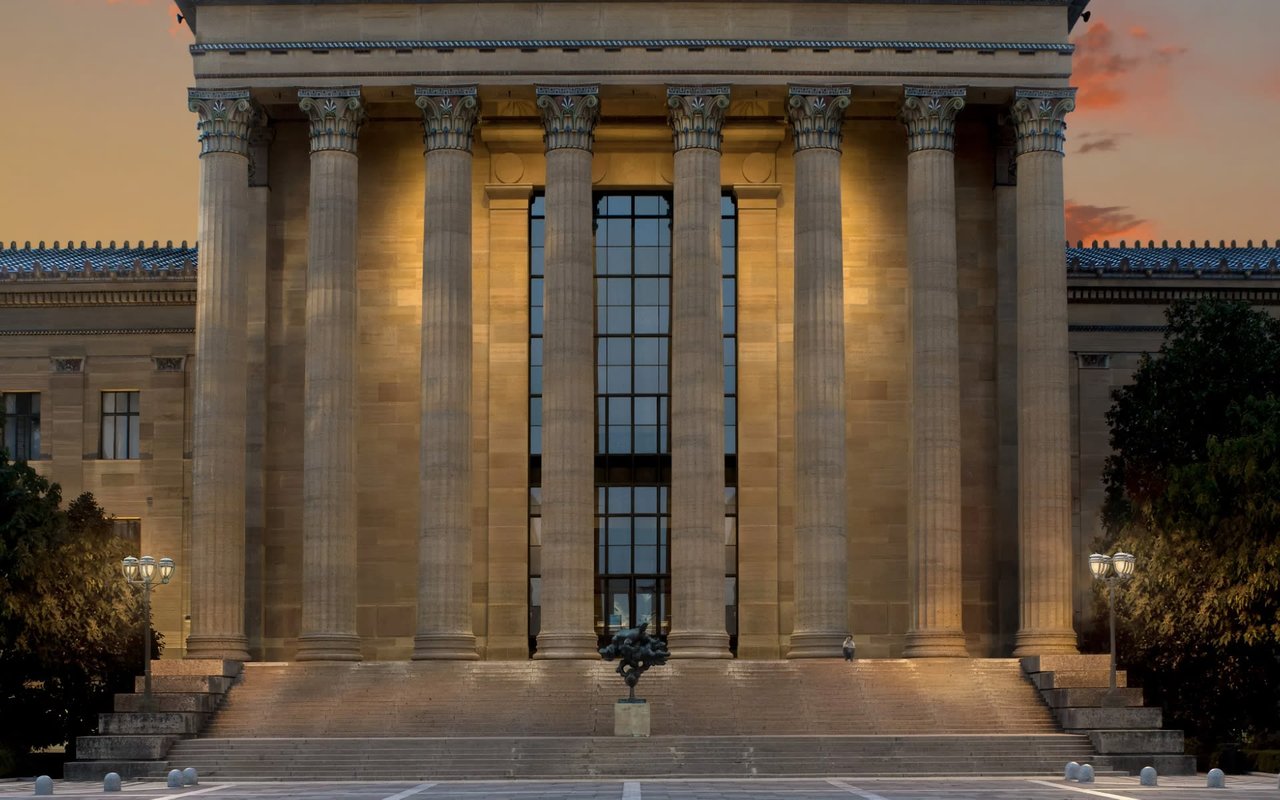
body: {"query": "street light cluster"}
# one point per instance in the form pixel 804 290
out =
pixel 142 572
pixel 1112 570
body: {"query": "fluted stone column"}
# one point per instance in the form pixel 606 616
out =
pixel 696 114
pixel 444 541
pixel 934 546
pixel 569 117
pixel 329 444
pixel 1044 444
pixel 221 376
pixel 821 555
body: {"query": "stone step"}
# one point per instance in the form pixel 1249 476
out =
pixel 141 747
pixel 1078 679
pixel 154 722
pixel 1092 697
pixel 1067 663
pixel 170 701
pixel 1165 764
pixel 1091 719
pixel 207 684
pixel 1128 742
pixel 95 771
pixel 196 666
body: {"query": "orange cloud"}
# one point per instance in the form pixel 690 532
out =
pixel 1086 223
pixel 1110 69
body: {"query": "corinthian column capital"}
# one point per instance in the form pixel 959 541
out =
pixel 696 114
pixel 1040 119
pixel 336 116
pixel 929 113
pixel 449 115
pixel 817 114
pixel 226 116
pixel 569 116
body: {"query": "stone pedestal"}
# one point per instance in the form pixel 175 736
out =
pixel 631 718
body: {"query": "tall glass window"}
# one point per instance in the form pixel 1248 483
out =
pixel 633 455
pixel 121 420
pixel 21 425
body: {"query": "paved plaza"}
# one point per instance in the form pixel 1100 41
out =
pixel 1245 787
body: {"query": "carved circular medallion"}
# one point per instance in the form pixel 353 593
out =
pixel 757 167
pixel 507 168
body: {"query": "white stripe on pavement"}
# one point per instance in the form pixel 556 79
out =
pixel 631 790
pixel 854 790
pixel 1082 790
pixel 419 789
pixel 217 788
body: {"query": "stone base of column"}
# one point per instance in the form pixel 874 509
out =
pixel 699 644
pixel 1044 643
pixel 817 644
pixel 444 647
pixel 935 644
pixel 227 648
pixel 567 646
pixel 328 647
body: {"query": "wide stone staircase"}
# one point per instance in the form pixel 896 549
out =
pixel 554 719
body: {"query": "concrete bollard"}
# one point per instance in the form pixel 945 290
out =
pixel 1147 777
pixel 1086 773
pixel 175 779
pixel 1217 780
pixel 111 783
pixel 44 785
pixel 189 777
pixel 1071 772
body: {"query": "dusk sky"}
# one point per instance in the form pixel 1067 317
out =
pixel 1174 136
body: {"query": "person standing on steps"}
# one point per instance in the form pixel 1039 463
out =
pixel 847 648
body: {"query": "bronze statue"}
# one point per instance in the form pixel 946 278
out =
pixel 636 651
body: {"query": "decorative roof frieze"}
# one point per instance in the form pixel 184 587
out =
pixel 335 115
pixel 449 116
pixel 225 119
pixel 817 115
pixel 569 116
pixel 1165 261
pixel 929 114
pixel 621 44
pixel 696 116
pixel 1040 119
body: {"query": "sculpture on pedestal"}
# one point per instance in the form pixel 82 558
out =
pixel 636 651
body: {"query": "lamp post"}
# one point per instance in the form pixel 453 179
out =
pixel 1112 570
pixel 142 572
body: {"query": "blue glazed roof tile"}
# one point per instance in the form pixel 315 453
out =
pixel 1176 261
pixel 83 261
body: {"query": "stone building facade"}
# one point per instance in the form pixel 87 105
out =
pixel 747 319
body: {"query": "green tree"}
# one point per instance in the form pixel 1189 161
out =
pixel 69 624
pixel 1193 489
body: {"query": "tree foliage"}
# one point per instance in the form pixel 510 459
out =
pixel 1194 491
pixel 69 624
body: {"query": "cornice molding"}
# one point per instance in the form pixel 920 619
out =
pixel 90 298
pixel 95 331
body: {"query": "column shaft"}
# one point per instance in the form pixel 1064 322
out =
pixel 329 517
pixel 697 411
pixel 568 394
pixel 1044 445
pixel 218 435
pixel 934 546
pixel 444 543
pixel 821 555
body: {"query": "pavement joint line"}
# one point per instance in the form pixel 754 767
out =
pixel 631 790
pixel 1092 792
pixel 853 789
pixel 419 789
